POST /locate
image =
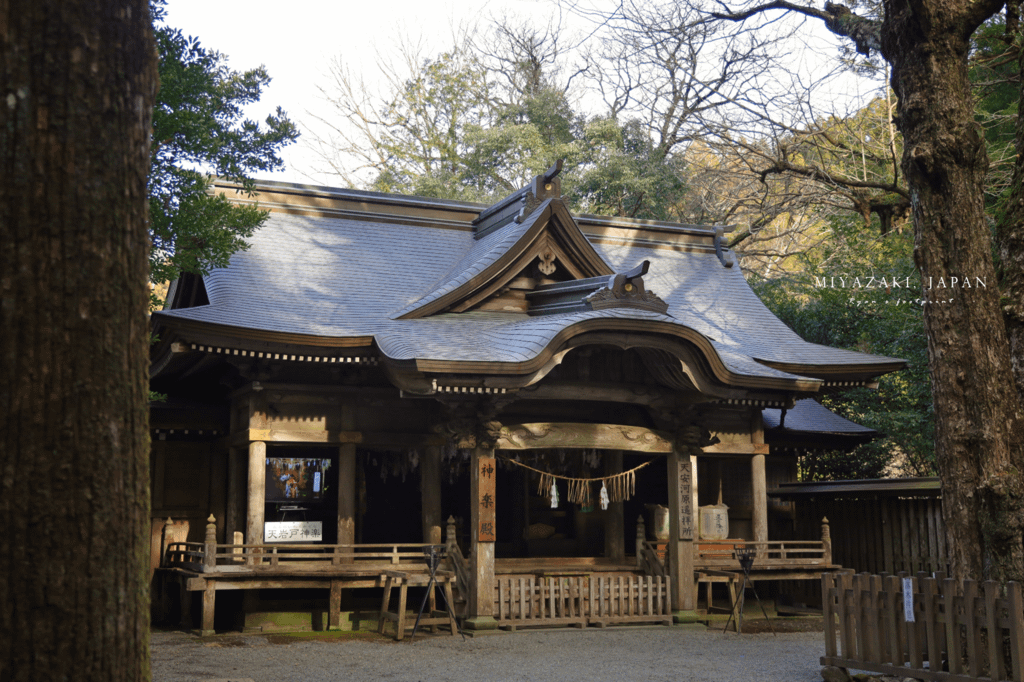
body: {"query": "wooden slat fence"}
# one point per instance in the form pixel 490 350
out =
pixel 881 535
pixel 957 632
pixel 581 600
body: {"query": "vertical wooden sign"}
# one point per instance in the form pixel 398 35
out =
pixel 485 499
pixel 685 499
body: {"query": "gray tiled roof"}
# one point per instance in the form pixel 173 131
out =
pixel 810 416
pixel 483 253
pixel 336 277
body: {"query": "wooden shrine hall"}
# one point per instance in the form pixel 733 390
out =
pixel 379 374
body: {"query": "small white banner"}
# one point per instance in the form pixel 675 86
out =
pixel 293 531
pixel 908 600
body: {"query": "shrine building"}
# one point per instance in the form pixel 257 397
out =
pixel 378 374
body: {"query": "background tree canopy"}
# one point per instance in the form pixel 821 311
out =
pixel 199 129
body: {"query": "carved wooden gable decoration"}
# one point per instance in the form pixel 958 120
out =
pixel 526 241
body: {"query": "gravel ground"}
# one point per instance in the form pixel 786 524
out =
pixel 677 654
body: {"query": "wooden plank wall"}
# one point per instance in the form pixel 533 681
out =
pixel 881 535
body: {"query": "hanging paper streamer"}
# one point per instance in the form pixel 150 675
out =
pixel 554 495
pixel 604 496
pixel 617 487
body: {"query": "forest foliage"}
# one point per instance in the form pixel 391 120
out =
pixel 199 132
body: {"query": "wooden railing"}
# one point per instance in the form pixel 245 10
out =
pixel 649 559
pixel 721 555
pixel 581 600
pixel 210 556
pixel 923 627
pixel 786 554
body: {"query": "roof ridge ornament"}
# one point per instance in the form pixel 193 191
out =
pixel 620 290
pixel 720 248
pixel 626 289
pixel 545 186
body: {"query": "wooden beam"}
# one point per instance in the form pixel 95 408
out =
pixel 736 449
pixel 404 440
pixel 583 436
pixel 636 394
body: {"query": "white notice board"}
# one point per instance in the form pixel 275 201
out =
pixel 293 531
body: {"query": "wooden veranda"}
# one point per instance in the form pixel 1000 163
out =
pixel 527 592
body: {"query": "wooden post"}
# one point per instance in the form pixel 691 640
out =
pixel 681 521
pixel 641 535
pixel 482 536
pixel 210 558
pixel 430 493
pixel 257 493
pixel 759 483
pixel 614 520
pixel 347 483
pixel 759 486
pixel 347 495
pixel 449 534
pixel 235 507
pixel 826 541
pixel 166 539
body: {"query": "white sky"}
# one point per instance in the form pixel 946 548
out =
pixel 296 40
pixel 296 43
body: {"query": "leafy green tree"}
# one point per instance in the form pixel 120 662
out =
pixel 199 129
pixel 625 173
pixel 836 303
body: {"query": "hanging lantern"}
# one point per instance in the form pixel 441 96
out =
pixel 604 496
pixel 554 495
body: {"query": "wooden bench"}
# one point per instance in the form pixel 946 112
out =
pixel 709 577
pixel 402 580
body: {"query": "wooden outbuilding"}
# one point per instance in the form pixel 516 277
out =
pixel 382 373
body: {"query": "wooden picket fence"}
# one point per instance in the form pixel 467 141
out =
pixel 581 600
pixel 928 628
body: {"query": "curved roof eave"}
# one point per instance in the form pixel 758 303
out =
pixel 718 362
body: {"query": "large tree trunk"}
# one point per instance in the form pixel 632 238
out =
pixel 1010 240
pixel 979 426
pixel 77 83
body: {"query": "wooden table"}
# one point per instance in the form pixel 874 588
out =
pixel 402 580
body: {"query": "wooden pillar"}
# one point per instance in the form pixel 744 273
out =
pixel 347 482
pixel 347 494
pixel 430 493
pixel 257 493
pixel 482 537
pixel 614 523
pixel 681 521
pixel 235 508
pixel 760 498
pixel 758 480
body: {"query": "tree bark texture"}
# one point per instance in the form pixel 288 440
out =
pixel 77 84
pixel 979 427
pixel 1010 247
